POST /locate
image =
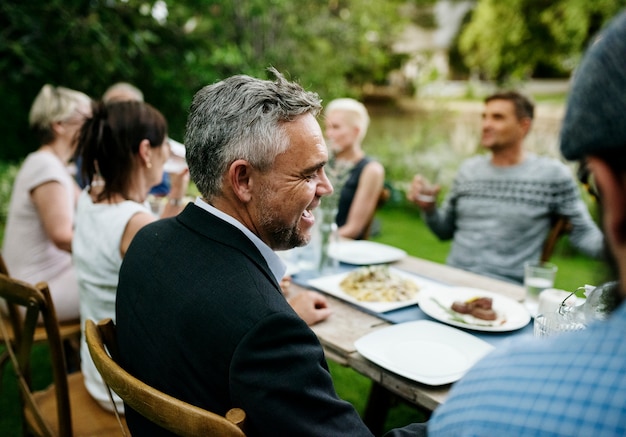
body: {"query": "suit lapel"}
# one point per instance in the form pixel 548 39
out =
pixel 214 228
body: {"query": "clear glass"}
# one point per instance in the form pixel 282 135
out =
pixel 572 313
pixel 599 302
pixel 597 305
pixel 328 236
pixel 538 276
pixel 549 324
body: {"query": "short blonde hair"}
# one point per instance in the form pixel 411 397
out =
pixel 356 111
pixel 54 104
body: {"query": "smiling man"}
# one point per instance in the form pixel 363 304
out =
pixel 200 313
pixel 571 384
pixel 501 205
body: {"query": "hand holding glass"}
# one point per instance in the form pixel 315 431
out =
pixel 176 163
pixel 423 190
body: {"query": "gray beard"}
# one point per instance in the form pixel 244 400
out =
pixel 282 237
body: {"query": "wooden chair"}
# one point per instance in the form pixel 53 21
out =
pixel 70 331
pixel 65 408
pixel 384 196
pixel 165 411
pixel 560 227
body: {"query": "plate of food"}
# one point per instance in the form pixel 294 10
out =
pixel 363 252
pixel 423 351
pixel 378 288
pixel 472 308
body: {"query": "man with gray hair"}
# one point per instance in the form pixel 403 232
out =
pixel 122 91
pixel 572 384
pixel 200 313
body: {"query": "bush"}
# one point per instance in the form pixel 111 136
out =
pixel 8 172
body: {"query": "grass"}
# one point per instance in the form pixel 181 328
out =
pixel 10 419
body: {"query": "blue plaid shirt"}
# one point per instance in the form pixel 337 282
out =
pixel 569 385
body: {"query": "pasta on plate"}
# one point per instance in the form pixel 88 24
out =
pixel 378 284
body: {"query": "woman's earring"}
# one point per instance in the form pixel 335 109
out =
pixel 149 164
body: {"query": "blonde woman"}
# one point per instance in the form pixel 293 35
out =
pixel 346 123
pixel 39 228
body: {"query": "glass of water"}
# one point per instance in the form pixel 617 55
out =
pixel 549 324
pixel 538 276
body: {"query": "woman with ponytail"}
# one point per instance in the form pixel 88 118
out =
pixel 123 148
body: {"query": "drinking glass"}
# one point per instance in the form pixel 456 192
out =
pixel 157 204
pixel 176 163
pixel 314 259
pixel 430 186
pixel 551 299
pixel 538 276
pixel 601 300
pixel 598 304
pixel 549 324
pixel 328 236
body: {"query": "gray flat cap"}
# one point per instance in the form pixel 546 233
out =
pixel 595 117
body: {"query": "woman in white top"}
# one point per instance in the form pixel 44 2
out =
pixel 123 149
pixel 39 229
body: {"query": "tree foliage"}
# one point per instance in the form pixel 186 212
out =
pixel 509 40
pixel 332 47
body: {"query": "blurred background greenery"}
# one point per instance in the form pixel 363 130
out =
pixel 170 48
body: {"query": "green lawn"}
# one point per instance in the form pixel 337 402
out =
pixel 401 226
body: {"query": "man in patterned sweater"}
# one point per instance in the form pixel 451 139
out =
pixel 571 384
pixel 501 205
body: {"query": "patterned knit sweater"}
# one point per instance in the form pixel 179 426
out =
pixel 499 217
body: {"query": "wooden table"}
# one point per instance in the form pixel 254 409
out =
pixel 338 333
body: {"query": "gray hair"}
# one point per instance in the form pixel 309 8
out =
pixel 122 91
pixel 241 118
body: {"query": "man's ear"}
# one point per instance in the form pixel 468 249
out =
pixel 240 178
pixel 525 123
pixel 58 128
pixel 612 187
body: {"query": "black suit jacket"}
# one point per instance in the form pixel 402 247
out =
pixel 201 317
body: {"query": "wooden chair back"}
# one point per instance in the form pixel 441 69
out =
pixel 70 331
pixel 384 196
pixel 560 227
pixel 165 411
pixel 49 412
pixel 3 266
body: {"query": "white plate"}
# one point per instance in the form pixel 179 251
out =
pixel 512 315
pixel 424 351
pixel 363 252
pixel 330 285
